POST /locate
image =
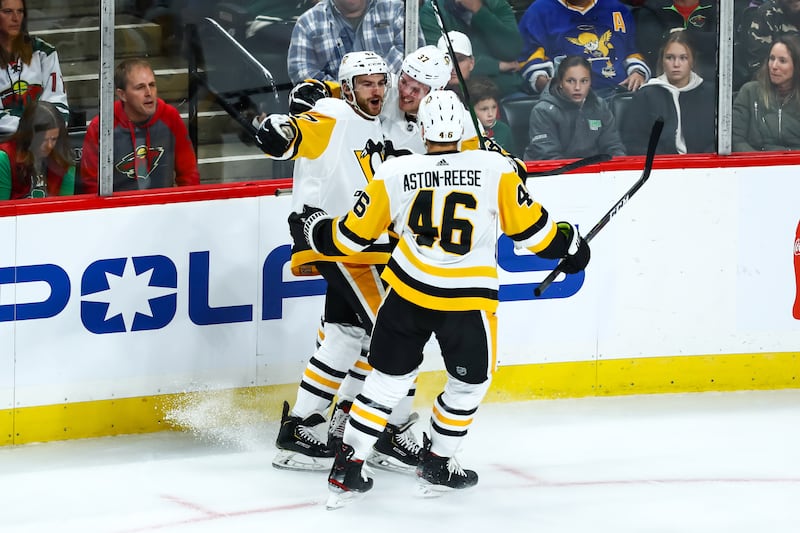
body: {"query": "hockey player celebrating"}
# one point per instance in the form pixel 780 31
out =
pixel 445 206
pixel 426 69
pixel 337 145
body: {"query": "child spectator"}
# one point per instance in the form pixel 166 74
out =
pixel 681 97
pixel 32 70
pixel 485 97
pixel 36 161
pixel 571 121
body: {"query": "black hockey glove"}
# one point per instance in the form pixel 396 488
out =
pixel 276 134
pixel 577 256
pixel 300 227
pixel 305 94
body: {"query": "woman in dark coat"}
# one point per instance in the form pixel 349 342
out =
pixel 766 112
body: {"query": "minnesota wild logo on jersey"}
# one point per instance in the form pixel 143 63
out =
pixel 23 83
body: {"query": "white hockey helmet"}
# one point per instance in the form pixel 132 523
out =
pixel 441 117
pixel 359 64
pixel 430 66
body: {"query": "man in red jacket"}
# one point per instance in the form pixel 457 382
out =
pixel 151 143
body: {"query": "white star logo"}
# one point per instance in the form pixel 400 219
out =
pixel 129 294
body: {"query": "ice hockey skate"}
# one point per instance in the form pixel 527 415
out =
pixel 396 450
pixel 299 448
pixel 339 418
pixel 437 475
pixel 346 482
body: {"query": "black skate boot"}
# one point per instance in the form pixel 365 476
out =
pixel 396 450
pixel 346 482
pixel 339 418
pixel 441 474
pixel 299 448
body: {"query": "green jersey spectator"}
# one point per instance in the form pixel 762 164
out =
pixel 492 30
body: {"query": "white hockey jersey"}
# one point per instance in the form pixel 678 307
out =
pixel 336 153
pixel 23 83
pixel 405 134
pixel 446 209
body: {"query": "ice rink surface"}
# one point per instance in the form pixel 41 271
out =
pixel 680 463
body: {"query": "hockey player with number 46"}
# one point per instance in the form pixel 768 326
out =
pixel 446 206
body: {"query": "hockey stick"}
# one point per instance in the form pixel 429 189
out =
pixel 221 53
pixel 655 134
pixel 461 82
pixel 591 160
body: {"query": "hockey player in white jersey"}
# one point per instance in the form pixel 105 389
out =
pixel 426 69
pixel 337 146
pixel 446 206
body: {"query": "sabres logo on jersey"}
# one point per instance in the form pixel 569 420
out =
pixel 593 46
pixel 140 163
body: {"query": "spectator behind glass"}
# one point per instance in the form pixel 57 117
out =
pixel 332 28
pixel 492 30
pixel 570 120
pixel 766 111
pixel 462 47
pixel 772 19
pixel 485 98
pixel 678 95
pixel 602 31
pixel 36 161
pixel 656 19
pixel 151 143
pixel 32 71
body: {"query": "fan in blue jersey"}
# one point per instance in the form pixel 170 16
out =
pixel 602 31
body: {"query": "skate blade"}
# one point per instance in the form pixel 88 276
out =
pixel 384 462
pixel 427 490
pixel 289 460
pixel 338 499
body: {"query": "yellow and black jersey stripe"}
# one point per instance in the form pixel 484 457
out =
pixel 447 210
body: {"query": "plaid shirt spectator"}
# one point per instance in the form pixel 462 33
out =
pixel 322 37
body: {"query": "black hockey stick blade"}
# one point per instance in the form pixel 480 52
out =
pixel 655 135
pixel 586 161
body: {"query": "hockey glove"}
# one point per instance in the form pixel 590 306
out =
pixel 577 255
pixel 305 94
pixel 300 226
pixel 276 134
